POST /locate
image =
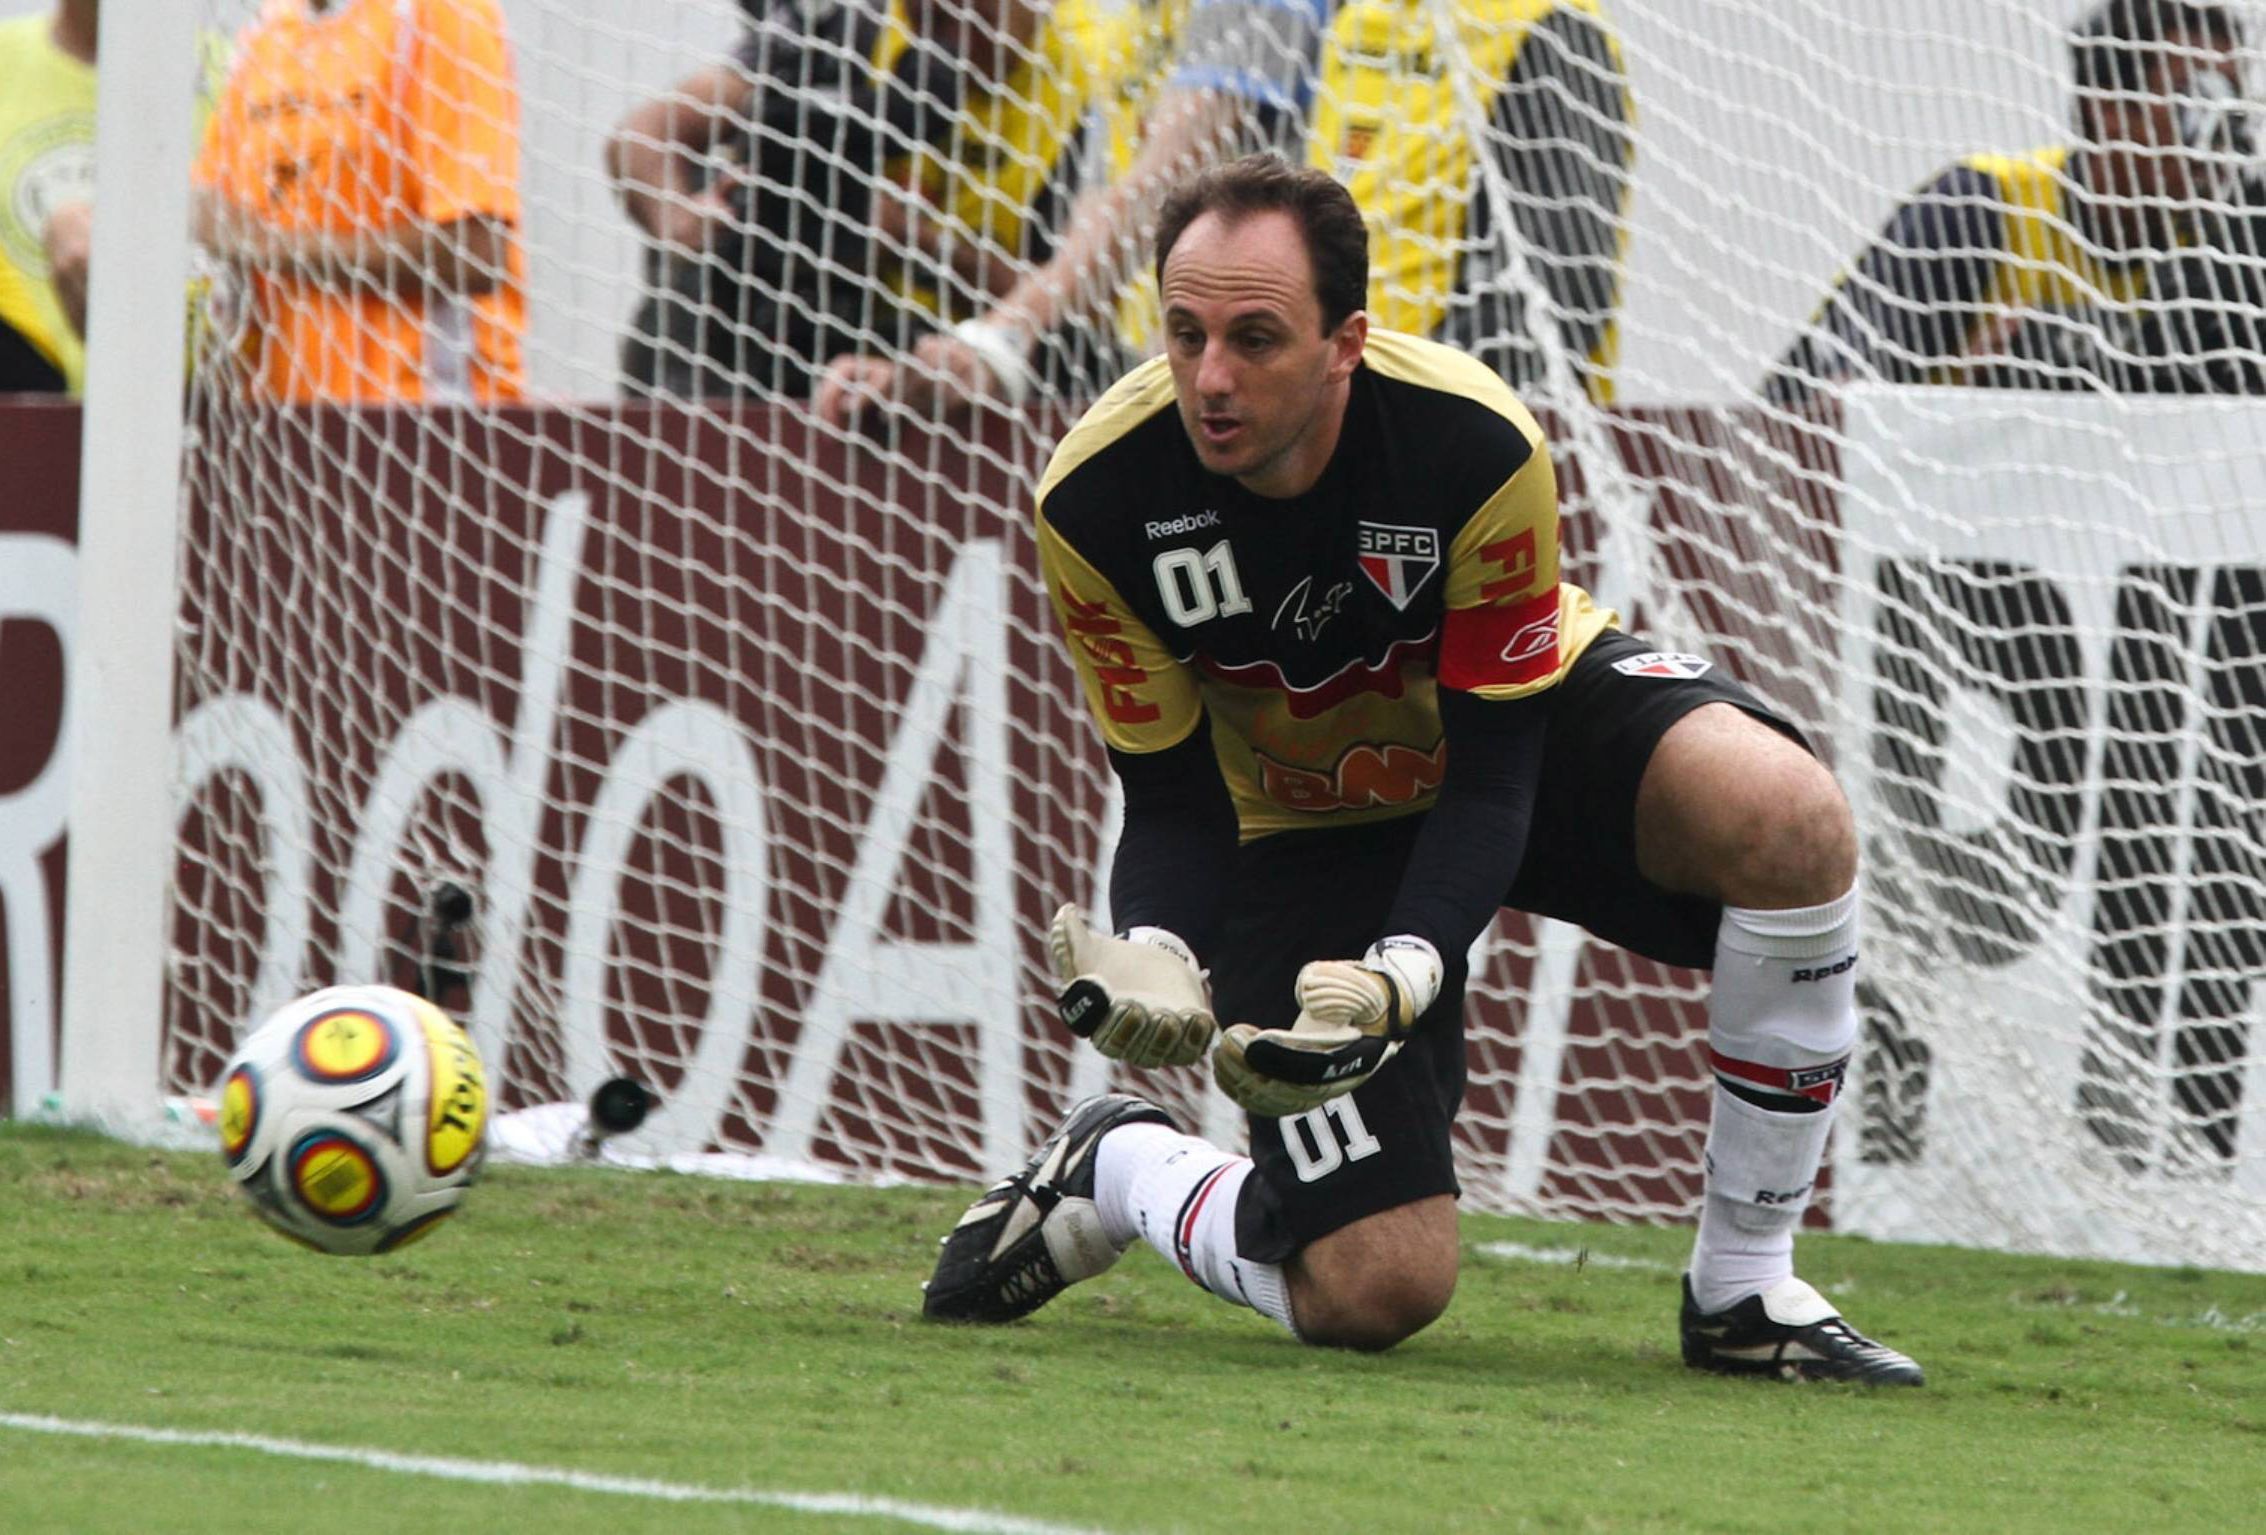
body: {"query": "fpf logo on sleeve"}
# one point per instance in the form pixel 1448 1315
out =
pixel 1664 663
pixel 1397 560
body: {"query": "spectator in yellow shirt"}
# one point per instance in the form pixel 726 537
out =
pixel 46 174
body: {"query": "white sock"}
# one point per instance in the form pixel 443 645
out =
pixel 1760 1168
pixel 1782 1018
pixel 1179 1194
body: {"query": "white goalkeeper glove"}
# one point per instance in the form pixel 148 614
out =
pixel 1352 1017
pixel 1139 999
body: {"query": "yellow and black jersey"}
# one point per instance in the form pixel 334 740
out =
pixel 46 161
pixel 1003 170
pixel 1391 124
pixel 1996 272
pixel 1378 89
pixel 1311 636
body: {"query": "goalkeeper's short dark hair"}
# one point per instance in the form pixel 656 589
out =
pixel 2114 47
pixel 1337 242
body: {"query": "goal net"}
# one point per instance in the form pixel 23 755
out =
pixel 515 562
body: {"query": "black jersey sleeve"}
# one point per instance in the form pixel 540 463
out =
pixel 1914 297
pixel 1469 850
pixel 1175 853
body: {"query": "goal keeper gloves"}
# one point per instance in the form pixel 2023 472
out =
pixel 1352 1017
pixel 1139 999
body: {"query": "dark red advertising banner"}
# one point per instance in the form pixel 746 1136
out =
pixel 760 755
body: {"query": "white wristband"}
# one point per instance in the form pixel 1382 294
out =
pixel 1414 963
pixel 1163 938
pixel 1004 354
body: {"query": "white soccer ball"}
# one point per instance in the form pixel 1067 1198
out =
pixel 355 1118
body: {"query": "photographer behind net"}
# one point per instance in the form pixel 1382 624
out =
pixel 2123 259
pixel 2205 320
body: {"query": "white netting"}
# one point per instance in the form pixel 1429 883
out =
pixel 751 740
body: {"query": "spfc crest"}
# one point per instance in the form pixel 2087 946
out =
pixel 1663 663
pixel 1397 560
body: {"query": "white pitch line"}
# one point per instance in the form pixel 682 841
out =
pixel 972 1521
pixel 1570 1257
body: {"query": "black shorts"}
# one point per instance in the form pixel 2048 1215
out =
pixel 1308 895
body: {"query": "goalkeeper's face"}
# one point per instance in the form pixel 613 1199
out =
pixel 1261 387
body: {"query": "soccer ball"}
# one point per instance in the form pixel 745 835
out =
pixel 354 1118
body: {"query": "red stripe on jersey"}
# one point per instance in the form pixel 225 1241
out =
pixel 1819 1083
pixel 1500 646
pixel 1384 678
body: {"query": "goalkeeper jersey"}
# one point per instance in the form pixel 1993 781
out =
pixel 1312 634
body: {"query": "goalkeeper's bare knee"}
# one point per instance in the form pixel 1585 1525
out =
pixel 1731 810
pixel 1376 1282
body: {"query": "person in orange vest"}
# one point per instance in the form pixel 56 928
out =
pixel 359 177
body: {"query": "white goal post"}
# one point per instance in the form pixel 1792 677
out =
pixel 120 698
pixel 753 744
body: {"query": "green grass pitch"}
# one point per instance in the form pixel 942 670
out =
pixel 683 1355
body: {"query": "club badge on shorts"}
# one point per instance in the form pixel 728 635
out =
pixel 1397 560
pixel 1663 663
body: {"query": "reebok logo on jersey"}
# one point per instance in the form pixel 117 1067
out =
pixel 1501 644
pixel 1191 522
pixel 1664 663
pixel 1397 560
pixel 1532 639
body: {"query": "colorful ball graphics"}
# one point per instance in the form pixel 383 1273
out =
pixel 416 1231
pixel 239 1113
pixel 457 1122
pixel 346 1044
pixel 337 1178
pixel 354 1118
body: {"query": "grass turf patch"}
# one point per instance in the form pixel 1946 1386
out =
pixel 766 1336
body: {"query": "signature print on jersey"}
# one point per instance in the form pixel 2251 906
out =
pixel 1307 620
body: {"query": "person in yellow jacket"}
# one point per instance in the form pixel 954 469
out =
pixel 1385 102
pixel 2034 270
pixel 46 177
pixel 47 95
pixel 850 177
pixel 1542 91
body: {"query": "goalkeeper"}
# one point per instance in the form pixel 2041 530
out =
pixel 1308 572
